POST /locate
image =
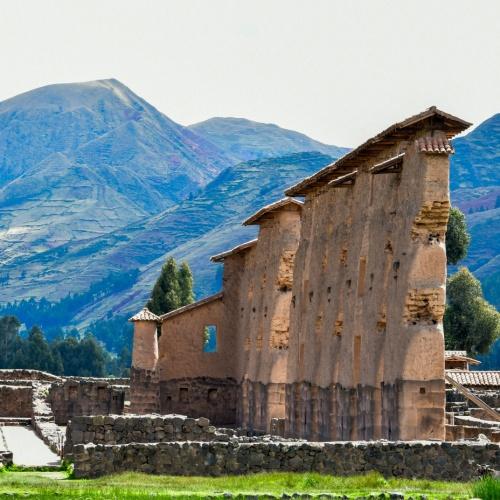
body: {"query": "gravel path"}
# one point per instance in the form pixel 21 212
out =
pixel 27 447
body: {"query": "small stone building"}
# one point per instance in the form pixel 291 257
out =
pixel 330 322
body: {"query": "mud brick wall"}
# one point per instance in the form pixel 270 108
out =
pixel 366 332
pixel 213 398
pixel 430 460
pixel 115 429
pixel 85 397
pixel 16 401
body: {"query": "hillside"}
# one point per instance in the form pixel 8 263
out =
pixel 98 187
pixel 244 140
pixel 475 184
pixel 80 160
pixel 194 230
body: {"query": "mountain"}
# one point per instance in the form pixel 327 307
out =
pixel 194 230
pixel 97 187
pixel 245 140
pixel 475 184
pixel 82 159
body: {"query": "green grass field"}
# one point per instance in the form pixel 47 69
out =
pixel 43 485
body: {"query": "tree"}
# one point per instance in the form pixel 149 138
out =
pixel 9 337
pixel 470 322
pixel 35 353
pixel 457 237
pixel 165 296
pixel 186 285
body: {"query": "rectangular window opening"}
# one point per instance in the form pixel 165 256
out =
pixel 210 338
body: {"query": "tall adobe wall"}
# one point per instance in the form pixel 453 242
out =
pixel 264 317
pixel 366 357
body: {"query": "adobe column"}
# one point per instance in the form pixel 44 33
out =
pixel 144 380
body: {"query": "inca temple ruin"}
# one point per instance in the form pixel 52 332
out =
pixel 329 325
pixel 323 352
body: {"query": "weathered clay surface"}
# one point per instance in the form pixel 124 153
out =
pixel 331 322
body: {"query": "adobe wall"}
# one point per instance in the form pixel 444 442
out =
pixel 264 318
pixel 194 382
pixel 366 340
pixel 422 460
pixel 144 381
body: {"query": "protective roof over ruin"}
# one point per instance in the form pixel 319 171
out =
pixel 460 356
pixel 257 217
pixel 437 119
pixel 145 315
pixel 240 248
pixel 181 310
pixel 475 378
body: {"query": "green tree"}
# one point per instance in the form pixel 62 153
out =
pixel 82 357
pixel 35 353
pixel 186 285
pixel 470 322
pixel 165 296
pixel 9 339
pixel 457 237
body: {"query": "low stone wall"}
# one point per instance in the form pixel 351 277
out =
pixel 117 429
pixel 425 459
pixel 16 401
pixel 20 374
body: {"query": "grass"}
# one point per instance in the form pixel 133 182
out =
pixel 44 485
pixel 487 489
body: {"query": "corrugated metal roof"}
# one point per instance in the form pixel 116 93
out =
pixel 434 145
pixel 145 315
pixel 475 378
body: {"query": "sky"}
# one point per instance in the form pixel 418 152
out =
pixel 339 71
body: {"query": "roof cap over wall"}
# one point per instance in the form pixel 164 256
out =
pixel 240 248
pixel 460 356
pixel 145 315
pixel 273 207
pixel 194 305
pixel 436 120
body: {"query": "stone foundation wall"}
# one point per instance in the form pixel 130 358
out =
pixel 85 397
pixel 213 398
pixel 430 460
pixel 116 429
pixel 16 401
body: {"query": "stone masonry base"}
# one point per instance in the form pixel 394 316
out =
pixel 417 459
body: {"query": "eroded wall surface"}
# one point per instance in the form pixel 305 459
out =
pixel 264 319
pixel 366 356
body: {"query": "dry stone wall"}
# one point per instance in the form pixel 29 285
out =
pixel 85 397
pixel 430 460
pixel 16 401
pixel 117 429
